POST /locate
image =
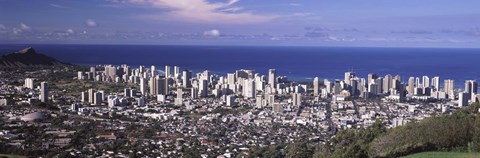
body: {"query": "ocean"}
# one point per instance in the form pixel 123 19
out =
pixel 296 62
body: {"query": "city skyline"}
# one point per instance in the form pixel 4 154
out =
pixel 242 22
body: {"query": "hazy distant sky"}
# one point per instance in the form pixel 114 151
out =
pixel 424 23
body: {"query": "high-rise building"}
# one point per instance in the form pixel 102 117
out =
pixel 373 88
pixel 463 99
pixel 316 87
pixel 348 76
pixel 449 88
pixel 179 99
pixel 471 87
pixel 91 95
pixel 436 83
pixel 187 74
pixel 231 78
pixel 97 99
pixel 272 77
pixel 249 90
pixel 337 87
pixel 296 99
pixel 417 83
pixel 110 72
pixel 143 86
pixel 164 87
pixel 328 85
pixel 44 92
pixel 426 81
pixel 153 85
pixel 153 70
pixel 84 97
pixel 168 70
pixel 230 100
pixel 141 69
pixel 371 78
pixel 194 93
pixel 411 85
pixel 203 88
pixel 387 83
pixel 398 78
pixel 93 71
pixel 80 75
pixel 354 86
pixel 176 72
pixel 29 83
pixel 379 83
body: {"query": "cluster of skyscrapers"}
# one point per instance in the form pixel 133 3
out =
pixel 392 87
pixel 251 85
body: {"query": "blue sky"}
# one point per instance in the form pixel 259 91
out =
pixel 383 23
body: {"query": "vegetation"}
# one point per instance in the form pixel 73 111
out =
pixel 459 132
pixel 10 156
pixel 444 155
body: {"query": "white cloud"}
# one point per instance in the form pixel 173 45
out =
pixel 201 11
pixel 2 27
pixel 58 6
pixel 214 33
pixel 25 27
pixel 16 30
pixel 70 31
pixel 294 4
pixel 90 23
pixel 301 14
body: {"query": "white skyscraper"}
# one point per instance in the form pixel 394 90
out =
pixel 417 83
pixel 168 70
pixel 328 85
pixel 272 77
pixel 153 70
pixel 436 83
pixel 143 86
pixel 296 99
pixel 153 85
pixel 179 99
pixel 176 72
pixel 348 76
pixel 93 71
pixel 387 83
pixel 44 92
pixel 471 87
pixel 187 74
pixel 84 97
pixel 249 88
pixel 449 88
pixel 426 81
pixel 411 86
pixel 231 78
pixel 316 87
pixel 29 83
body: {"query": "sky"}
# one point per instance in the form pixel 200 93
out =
pixel 369 23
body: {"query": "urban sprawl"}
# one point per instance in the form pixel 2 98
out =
pixel 107 110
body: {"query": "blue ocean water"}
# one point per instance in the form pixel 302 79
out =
pixel 298 63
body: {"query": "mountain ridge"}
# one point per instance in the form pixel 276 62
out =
pixel 28 57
